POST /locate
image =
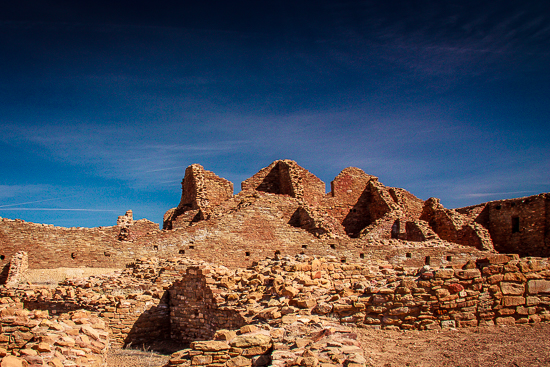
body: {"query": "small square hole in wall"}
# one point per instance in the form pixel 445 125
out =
pixel 304 246
pixel 343 260
pixel 277 252
pixel 333 246
pixel 2 257
pixel 408 255
pixel 427 260
pixel 191 247
pixel 362 256
pixel 449 258
pixel 247 253
pixel 155 247
pixel 73 255
pixel 182 252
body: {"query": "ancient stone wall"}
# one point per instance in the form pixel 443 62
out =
pixel 453 226
pixel 286 177
pixel 204 298
pixel 53 247
pixel 201 191
pixel 37 338
pixel 499 290
pixel 194 314
pixel 516 225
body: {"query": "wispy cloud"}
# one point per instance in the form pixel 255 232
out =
pixel 60 209
pixel 37 201
pixel 504 193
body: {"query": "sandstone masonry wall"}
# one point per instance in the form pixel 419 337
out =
pixel 53 247
pixel 516 225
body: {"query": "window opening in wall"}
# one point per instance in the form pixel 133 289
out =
pixel 513 204
pixel 427 260
pixel 515 224
pixel 343 260
pixel 247 253
pixel 155 247
pixel 333 246
pixel 449 258
pixel 182 252
pixel 304 246
pixel 107 254
pixel 277 252
pixel 498 207
pixel 191 247
pixel 73 256
pixel 362 255
pixel 408 255
pixel 2 257
pixel 196 312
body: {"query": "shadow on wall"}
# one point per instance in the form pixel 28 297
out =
pixel 4 274
pixel 152 329
pixel 271 182
pixel 358 216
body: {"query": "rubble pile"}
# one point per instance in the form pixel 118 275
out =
pixel 37 338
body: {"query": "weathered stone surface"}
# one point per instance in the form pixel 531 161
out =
pixel 12 361
pixel 210 346
pixel 537 286
pixel 251 340
pixel 515 289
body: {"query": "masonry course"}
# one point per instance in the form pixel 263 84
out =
pixel 189 300
pixel 284 208
pixel 281 253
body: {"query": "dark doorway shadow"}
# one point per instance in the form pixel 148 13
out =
pixel 359 215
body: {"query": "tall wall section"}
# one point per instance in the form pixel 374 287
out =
pixel 286 177
pixel 519 225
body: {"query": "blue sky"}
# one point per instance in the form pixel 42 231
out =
pixel 103 104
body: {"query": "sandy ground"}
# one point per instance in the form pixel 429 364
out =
pixel 518 346
pixel 527 345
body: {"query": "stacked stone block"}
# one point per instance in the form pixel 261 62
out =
pixel 36 338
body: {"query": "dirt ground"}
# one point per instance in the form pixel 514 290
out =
pixel 518 346
pixel 527 345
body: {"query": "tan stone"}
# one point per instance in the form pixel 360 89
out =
pixel 514 289
pixel 12 361
pixel 210 346
pixel 250 340
pixel 513 301
pixel 201 360
pixel 239 361
pixel 537 286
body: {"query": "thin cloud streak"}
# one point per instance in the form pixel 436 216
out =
pixel 37 201
pixel 62 209
pixel 500 193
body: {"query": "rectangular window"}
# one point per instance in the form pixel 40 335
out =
pixel 515 224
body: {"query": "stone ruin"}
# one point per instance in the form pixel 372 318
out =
pixel 277 274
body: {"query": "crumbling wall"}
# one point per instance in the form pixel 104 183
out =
pixel 19 264
pixel 286 177
pixel 194 310
pixel 452 226
pixel 52 247
pixel 37 338
pixel 200 191
pixel 516 225
pixel 496 290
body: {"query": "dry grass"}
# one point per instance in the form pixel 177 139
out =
pixel 134 357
